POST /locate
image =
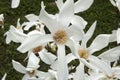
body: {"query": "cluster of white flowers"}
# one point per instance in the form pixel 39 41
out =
pixel 65 29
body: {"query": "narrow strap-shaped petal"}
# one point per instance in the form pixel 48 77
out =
pixel 111 55
pixel 46 57
pixel 15 3
pixel 62 69
pixel 113 36
pixel 26 77
pixel 118 4
pixel 79 74
pixel 32 17
pixel 4 77
pixel 59 4
pixel 82 5
pixel 100 42
pixel 17 35
pixel 70 57
pixel 78 22
pixel 66 13
pixel 113 2
pixel 33 62
pixel 88 34
pixel 118 35
pixel 103 66
pixel 18 67
pixel 48 19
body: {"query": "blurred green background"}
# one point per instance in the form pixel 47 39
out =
pixel 107 16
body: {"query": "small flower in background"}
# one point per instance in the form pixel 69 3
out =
pixel 31 69
pixel 15 3
pixel 15 34
pixel 2 20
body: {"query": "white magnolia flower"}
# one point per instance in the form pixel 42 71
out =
pixel 15 34
pixel 30 70
pixel 15 3
pixel 4 77
pixel 2 20
pixel 84 53
pixel 103 76
pixel 116 3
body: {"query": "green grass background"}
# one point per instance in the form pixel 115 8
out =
pixel 107 16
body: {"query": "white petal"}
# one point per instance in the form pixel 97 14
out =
pixel 79 74
pixel 46 57
pixel 33 62
pixel 18 23
pixel 111 55
pixel 48 19
pixel 54 65
pixel 100 42
pixel 33 41
pixel 17 35
pixel 18 67
pixel 78 22
pixel 62 70
pixel 42 74
pixel 82 5
pixel 66 13
pixel 59 4
pixel 103 66
pixel 70 57
pixel 75 33
pixel 117 76
pixel 118 4
pixel 4 77
pixel 26 77
pixel 28 25
pixel 118 35
pixel 113 2
pixel 113 36
pixel 32 17
pixel 88 34
pixel 15 3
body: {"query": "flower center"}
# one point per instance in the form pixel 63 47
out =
pixel 60 37
pixel 37 49
pixel 18 27
pixel 83 54
pixel 31 73
pixel 109 77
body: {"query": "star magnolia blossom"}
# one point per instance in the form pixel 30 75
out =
pixel 116 3
pixel 103 76
pixel 15 3
pixel 15 34
pixel 84 53
pixel 31 69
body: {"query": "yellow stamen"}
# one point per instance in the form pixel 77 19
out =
pixel 60 37
pixel 37 49
pixel 83 54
